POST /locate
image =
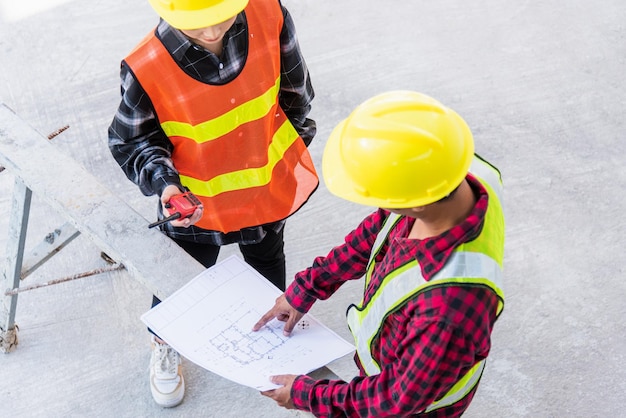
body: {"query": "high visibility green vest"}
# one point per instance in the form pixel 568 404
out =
pixel 478 262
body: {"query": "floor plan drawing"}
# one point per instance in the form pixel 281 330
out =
pixel 243 346
pixel 209 321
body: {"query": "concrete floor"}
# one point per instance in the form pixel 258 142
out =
pixel 541 84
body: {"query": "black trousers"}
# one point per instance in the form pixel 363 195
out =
pixel 267 257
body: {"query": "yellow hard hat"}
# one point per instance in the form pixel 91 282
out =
pixel 196 14
pixel 400 149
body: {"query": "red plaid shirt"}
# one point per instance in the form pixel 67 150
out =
pixel 425 346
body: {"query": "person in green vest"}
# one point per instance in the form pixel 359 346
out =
pixel 431 258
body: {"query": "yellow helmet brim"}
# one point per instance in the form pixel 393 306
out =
pixel 197 15
pixel 374 159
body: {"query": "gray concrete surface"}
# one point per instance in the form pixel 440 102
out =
pixel 541 85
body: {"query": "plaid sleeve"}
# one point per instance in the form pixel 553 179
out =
pixel 137 142
pixel 424 349
pixel 296 90
pixel 345 262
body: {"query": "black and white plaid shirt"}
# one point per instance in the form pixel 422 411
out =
pixel 143 151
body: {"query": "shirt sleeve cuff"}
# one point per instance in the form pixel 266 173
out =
pixel 300 392
pixel 298 298
pixel 159 184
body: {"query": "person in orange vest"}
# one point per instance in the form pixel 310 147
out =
pixel 431 257
pixel 215 101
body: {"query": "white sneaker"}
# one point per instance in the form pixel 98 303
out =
pixel 166 379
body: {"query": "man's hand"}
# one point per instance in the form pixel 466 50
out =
pixel 282 311
pixel 167 194
pixel 282 395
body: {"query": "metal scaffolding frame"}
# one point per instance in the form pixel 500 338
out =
pixel 90 209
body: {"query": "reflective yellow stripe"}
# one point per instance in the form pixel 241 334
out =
pixel 489 175
pixel 460 388
pixel 207 131
pixel 381 238
pixel 461 268
pixel 284 137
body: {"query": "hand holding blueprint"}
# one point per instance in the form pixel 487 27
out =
pixel 209 321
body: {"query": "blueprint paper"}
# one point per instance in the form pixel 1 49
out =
pixel 209 321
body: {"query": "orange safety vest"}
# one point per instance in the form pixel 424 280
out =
pixel 234 147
